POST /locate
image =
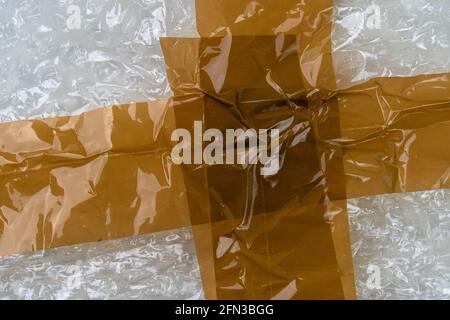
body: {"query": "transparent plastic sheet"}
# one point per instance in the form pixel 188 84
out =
pixel 157 266
pixel 70 56
pixel 405 239
pixel 384 38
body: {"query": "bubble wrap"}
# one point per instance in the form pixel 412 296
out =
pixel 68 56
pixel 385 38
pixel 158 266
pixel 403 240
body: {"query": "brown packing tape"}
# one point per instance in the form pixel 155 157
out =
pixel 284 236
pixel 247 251
pixel 309 22
pixel 286 254
pixel 392 135
pixel 188 109
pixel 102 175
pixel 228 67
pixel 232 66
pixel 243 203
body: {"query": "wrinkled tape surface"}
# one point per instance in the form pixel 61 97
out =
pixel 102 175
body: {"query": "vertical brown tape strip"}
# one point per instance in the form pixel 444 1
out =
pixel 190 108
pixel 309 21
pixel 284 236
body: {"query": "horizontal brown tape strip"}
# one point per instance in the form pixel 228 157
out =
pixel 102 175
pixel 393 135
